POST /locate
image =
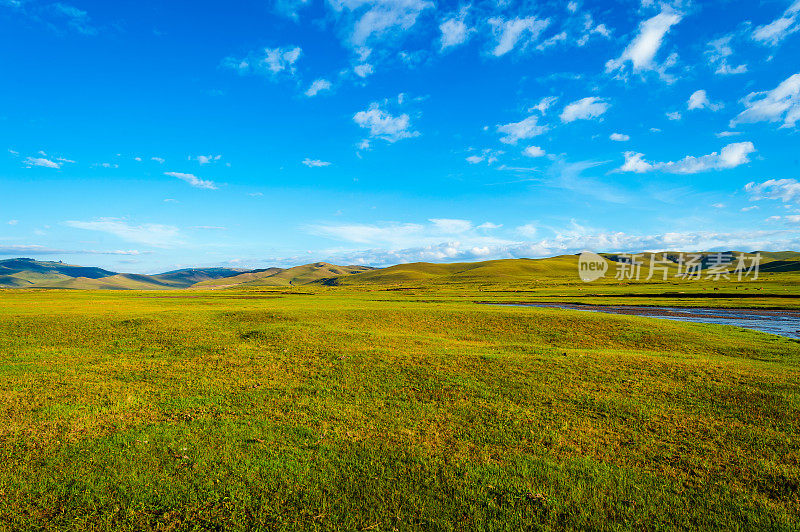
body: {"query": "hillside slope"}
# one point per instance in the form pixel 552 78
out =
pixel 23 272
pixel 30 273
pixel 296 276
pixel 506 270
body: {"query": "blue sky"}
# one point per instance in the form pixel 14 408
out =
pixel 146 136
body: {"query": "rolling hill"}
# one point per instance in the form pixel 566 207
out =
pixel 504 270
pixel 29 273
pixel 296 276
pixel 22 272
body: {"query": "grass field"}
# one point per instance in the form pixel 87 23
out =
pixel 336 408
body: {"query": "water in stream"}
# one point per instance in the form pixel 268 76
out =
pixel 779 322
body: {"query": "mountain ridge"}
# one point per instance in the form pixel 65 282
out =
pixel 30 273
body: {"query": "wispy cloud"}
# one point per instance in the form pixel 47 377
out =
pixel 383 125
pixel 206 159
pixel 368 21
pixel 571 239
pixel 515 33
pixel 158 235
pixel 524 129
pixel 584 109
pixel 270 62
pixel 786 190
pixel 718 53
pixel 396 235
pixel 454 30
pixel 193 180
pixel 77 19
pixel 291 8
pixel 641 52
pixel 41 161
pixel 699 100
pixel 315 163
pixel 730 156
pixel 780 28
pixel 318 86
pixel 36 250
pixel 780 104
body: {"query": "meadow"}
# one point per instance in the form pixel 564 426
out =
pixel 345 408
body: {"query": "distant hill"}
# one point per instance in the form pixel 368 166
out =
pixel 297 276
pixel 189 276
pixel 506 270
pixel 30 273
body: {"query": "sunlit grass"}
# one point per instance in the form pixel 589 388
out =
pixel 385 410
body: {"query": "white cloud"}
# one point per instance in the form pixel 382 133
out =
pixel 730 156
pixel 674 116
pixel 318 86
pixel 77 19
pixel 159 160
pixel 315 163
pixel 533 151
pixel 544 104
pixel 552 41
pixel 569 240
pixel 726 69
pixel 724 134
pixel 634 162
pixel 786 190
pixel 524 129
pixel 780 28
pixel 437 234
pixel 13 222
pixel 619 137
pixel 780 104
pixel 363 70
pixel 193 180
pixel 718 52
pixel 454 30
pixel 370 20
pixel 641 52
pixel 515 32
pixel 28 250
pixel 269 61
pixel 383 125
pixel 206 159
pixel 451 226
pixel 40 161
pixel 527 230
pixel 489 155
pixel 291 8
pixel 584 109
pixel 369 234
pixel 150 234
pixel 699 100
pixel 489 225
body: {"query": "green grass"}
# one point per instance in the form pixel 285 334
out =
pixel 350 409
